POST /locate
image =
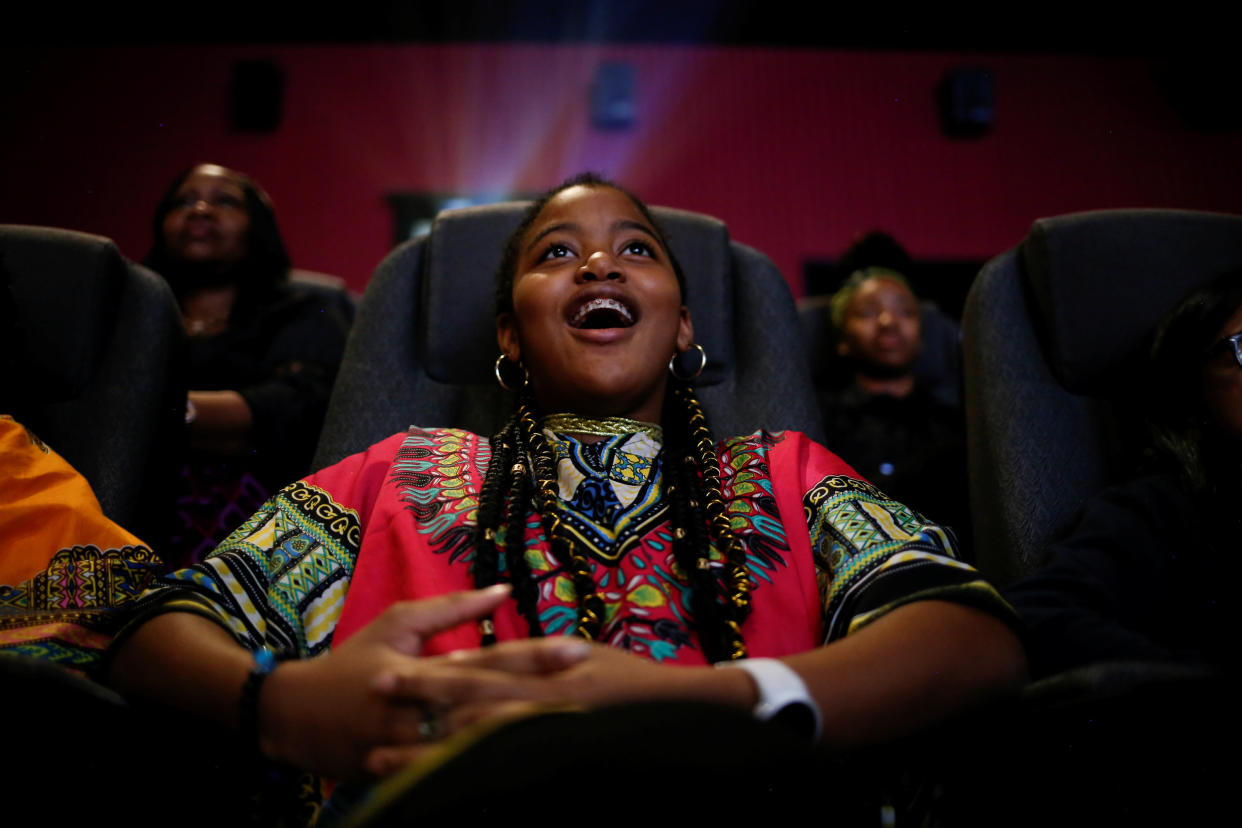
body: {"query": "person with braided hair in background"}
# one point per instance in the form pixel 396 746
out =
pixel 601 551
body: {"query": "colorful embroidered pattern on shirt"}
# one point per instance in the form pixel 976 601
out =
pixel 861 539
pixel 439 473
pixel 611 490
pixel 746 482
pixel 646 597
pixel 280 579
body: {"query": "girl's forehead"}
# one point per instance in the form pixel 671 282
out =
pixel 582 204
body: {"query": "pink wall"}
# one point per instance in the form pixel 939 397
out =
pixel 797 150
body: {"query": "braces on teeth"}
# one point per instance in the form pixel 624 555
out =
pixel 601 303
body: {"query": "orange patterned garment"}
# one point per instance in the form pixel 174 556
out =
pixel 64 566
pixel 45 506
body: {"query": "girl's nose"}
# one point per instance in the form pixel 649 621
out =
pixel 600 266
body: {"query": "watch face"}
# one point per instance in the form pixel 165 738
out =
pixel 796 717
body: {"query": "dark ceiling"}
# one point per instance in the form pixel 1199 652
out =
pixel 1033 28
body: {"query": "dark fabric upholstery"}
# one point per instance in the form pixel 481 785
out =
pixel 1100 281
pixel 330 290
pixel 65 287
pixel 1054 331
pixel 96 343
pixel 424 341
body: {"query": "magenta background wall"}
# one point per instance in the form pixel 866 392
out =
pixel 796 150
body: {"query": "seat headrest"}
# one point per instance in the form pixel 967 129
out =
pixel 1100 281
pixel 463 255
pixel 66 287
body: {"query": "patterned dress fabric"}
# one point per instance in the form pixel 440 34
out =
pixel 827 552
pixel 65 568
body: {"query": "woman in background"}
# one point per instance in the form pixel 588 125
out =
pixel 263 351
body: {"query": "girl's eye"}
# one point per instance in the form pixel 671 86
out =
pixel 555 251
pixel 638 248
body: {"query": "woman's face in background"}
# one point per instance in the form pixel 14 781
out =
pixel 597 310
pixel 1222 383
pixel 208 222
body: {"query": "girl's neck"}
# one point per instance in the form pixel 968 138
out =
pixel 595 429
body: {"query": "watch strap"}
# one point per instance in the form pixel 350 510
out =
pixel 783 695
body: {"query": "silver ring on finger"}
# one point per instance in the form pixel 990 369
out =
pixel 430 724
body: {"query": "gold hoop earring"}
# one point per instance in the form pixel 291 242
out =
pixel 677 363
pixel 500 377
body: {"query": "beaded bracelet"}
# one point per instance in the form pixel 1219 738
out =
pixel 265 662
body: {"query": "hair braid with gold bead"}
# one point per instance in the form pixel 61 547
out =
pixel 733 606
pixel 546 494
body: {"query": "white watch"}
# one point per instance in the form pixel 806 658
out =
pixel 783 696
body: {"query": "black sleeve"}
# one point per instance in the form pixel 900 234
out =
pixel 288 402
pixel 1109 591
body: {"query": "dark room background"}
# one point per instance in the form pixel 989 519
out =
pixel 797 148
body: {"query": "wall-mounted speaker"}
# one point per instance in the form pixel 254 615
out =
pixel 966 102
pixel 613 104
pixel 256 96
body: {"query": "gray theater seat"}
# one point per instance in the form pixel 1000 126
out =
pixel 1055 333
pixel 94 346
